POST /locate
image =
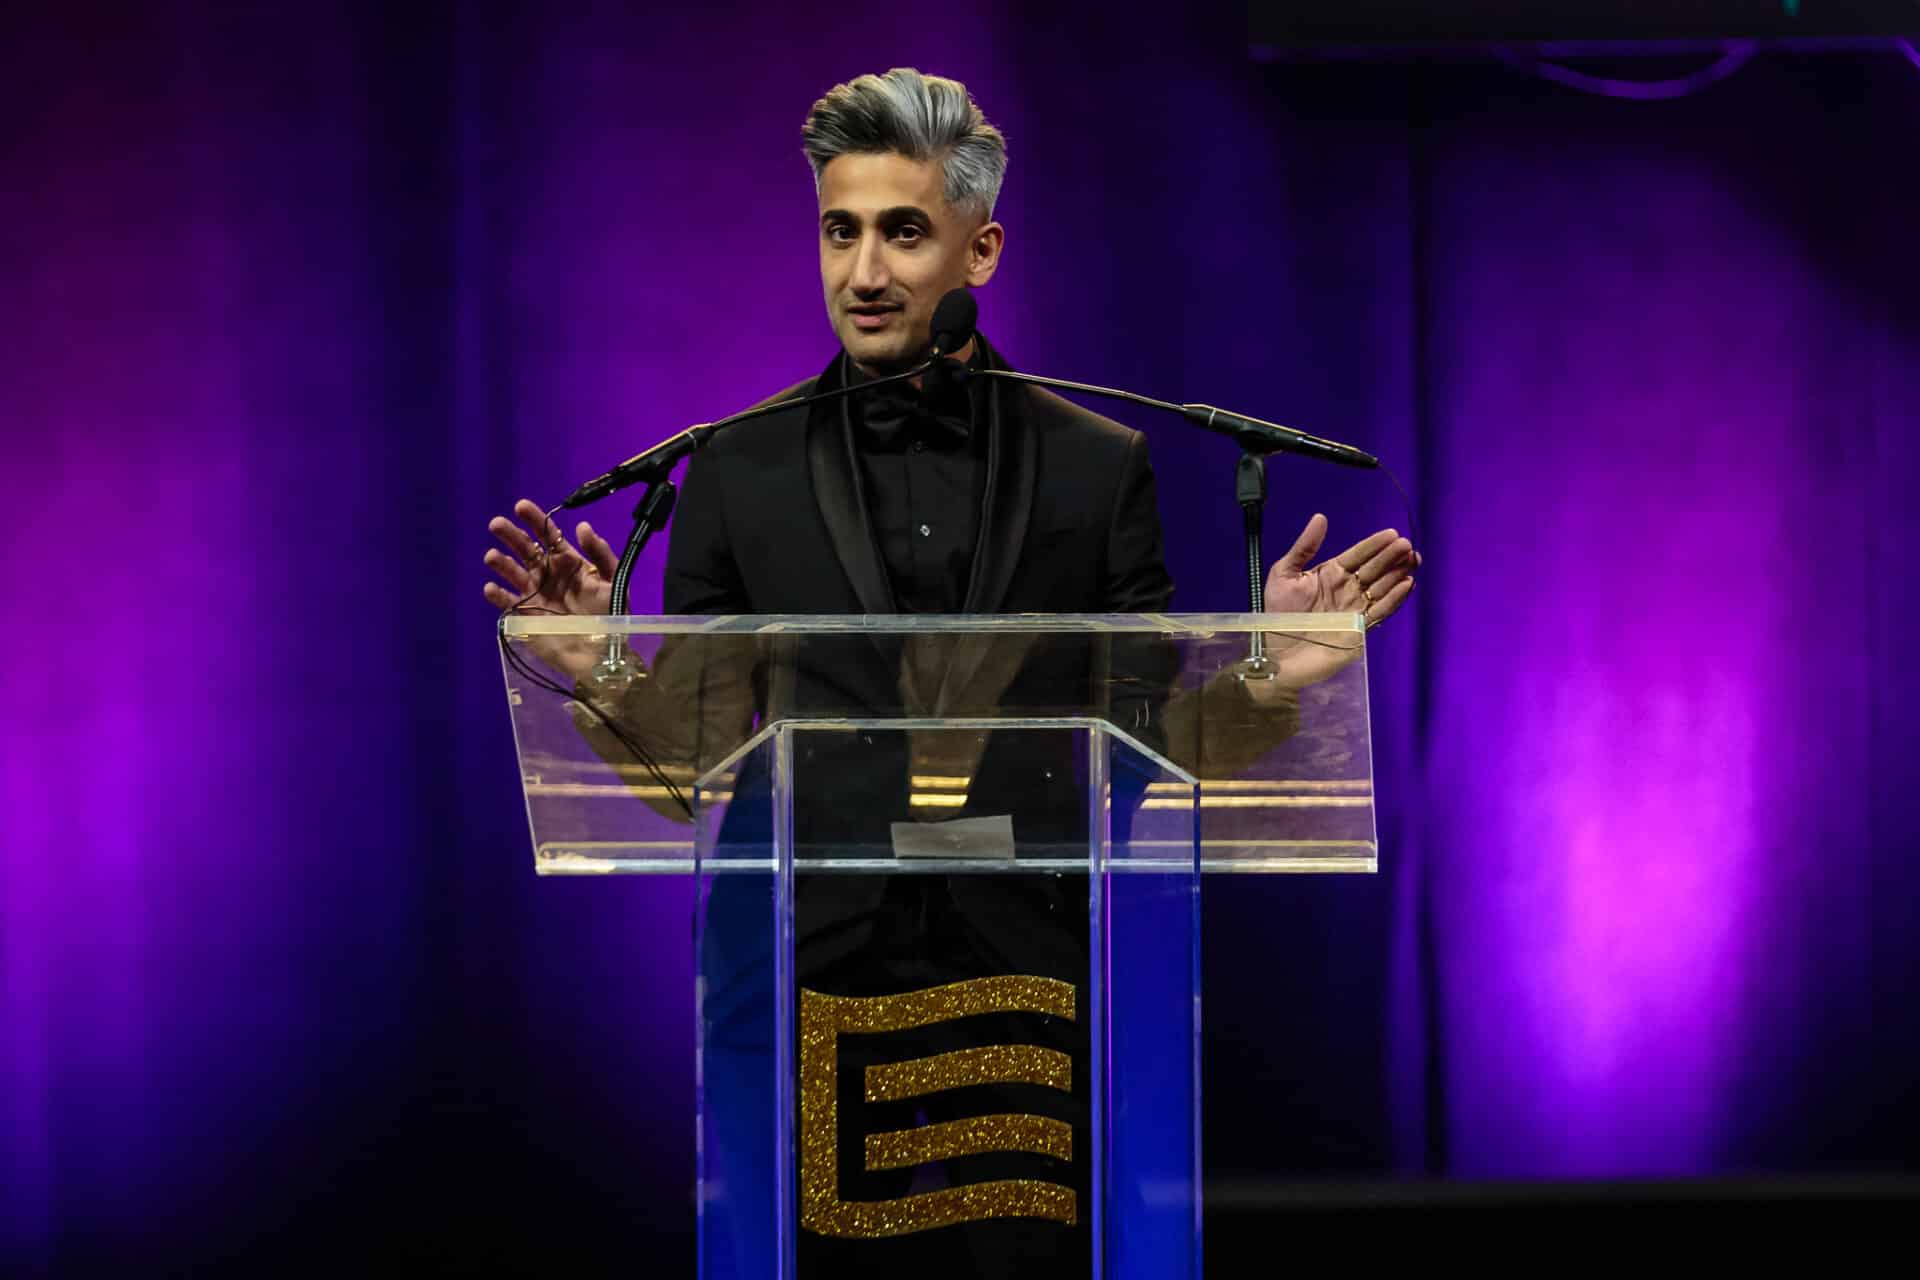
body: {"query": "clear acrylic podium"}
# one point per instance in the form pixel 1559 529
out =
pixel 948 874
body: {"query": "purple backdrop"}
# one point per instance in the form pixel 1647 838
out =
pixel 297 304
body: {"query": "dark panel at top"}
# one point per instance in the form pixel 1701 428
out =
pixel 1284 23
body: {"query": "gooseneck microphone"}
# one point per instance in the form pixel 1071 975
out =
pixel 1258 436
pixel 1252 434
pixel 954 318
pixel 650 464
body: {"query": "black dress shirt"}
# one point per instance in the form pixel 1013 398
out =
pixel 923 477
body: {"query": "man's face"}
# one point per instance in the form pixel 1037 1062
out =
pixel 890 247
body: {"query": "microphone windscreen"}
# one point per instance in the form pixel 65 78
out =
pixel 954 317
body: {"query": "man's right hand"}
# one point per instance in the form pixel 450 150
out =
pixel 546 574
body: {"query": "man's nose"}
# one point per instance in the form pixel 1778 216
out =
pixel 870 275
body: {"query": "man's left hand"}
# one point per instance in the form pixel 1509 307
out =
pixel 1373 577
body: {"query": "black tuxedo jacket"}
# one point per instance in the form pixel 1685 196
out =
pixel 772 520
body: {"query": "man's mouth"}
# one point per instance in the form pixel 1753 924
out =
pixel 870 316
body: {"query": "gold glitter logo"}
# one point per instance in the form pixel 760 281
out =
pixel 824 1018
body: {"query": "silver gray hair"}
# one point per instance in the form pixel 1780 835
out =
pixel 920 117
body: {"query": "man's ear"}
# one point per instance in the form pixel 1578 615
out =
pixel 983 253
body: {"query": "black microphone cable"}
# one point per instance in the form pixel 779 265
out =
pixel 539 679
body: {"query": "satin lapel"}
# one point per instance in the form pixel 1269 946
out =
pixel 836 487
pixel 1013 461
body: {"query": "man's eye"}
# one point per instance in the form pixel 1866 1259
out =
pixel 908 234
pixel 840 235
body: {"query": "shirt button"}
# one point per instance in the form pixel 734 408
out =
pixel 925 532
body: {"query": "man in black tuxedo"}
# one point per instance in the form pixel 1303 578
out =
pixel 982 496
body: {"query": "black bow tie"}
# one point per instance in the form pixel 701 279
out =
pixel 886 413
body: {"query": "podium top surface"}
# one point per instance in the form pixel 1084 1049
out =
pixel 1170 624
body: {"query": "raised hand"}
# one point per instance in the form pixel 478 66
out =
pixel 1373 576
pixel 548 574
